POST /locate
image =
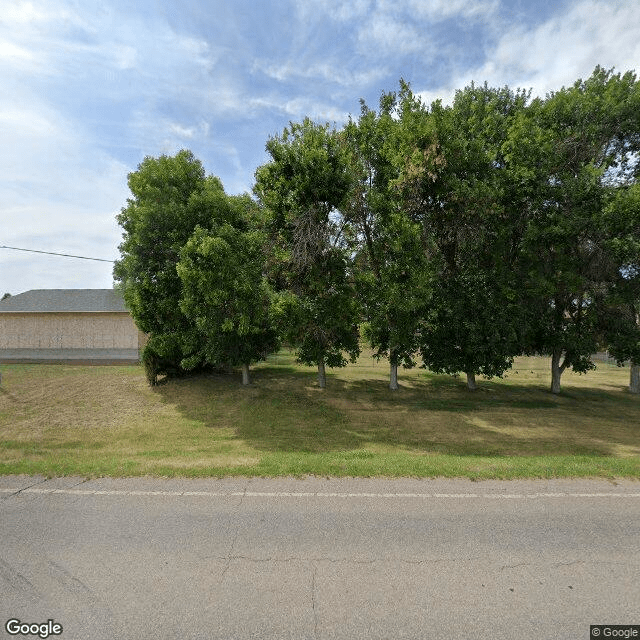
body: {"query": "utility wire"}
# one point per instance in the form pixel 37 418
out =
pixel 51 253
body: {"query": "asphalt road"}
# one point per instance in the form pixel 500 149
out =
pixel 319 558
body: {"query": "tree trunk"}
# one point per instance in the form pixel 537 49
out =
pixel 634 379
pixel 471 381
pixel 245 374
pixel 556 371
pixel 393 376
pixel 322 379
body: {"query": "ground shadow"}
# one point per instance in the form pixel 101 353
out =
pixel 284 411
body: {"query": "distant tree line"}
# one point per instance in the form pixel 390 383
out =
pixel 455 237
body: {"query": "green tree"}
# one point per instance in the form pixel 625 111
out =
pixel 621 314
pixel 304 187
pixel 225 294
pixel 320 315
pixel 389 264
pixel 454 183
pixel 570 150
pixel 171 196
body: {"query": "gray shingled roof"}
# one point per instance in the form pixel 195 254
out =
pixel 64 300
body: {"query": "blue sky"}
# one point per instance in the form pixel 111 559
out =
pixel 89 88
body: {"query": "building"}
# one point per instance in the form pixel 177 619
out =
pixel 83 326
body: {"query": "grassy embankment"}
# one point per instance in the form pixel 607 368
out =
pixel 95 421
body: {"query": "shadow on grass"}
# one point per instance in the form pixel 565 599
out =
pixel 284 411
pixel 6 394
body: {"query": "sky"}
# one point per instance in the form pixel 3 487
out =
pixel 89 88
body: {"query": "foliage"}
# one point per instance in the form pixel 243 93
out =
pixel 467 234
pixel 621 319
pixel 453 182
pixel 321 317
pixel 304 187
pixel 573 150
pixel 225 294
pixel 170 197
pixel 390 269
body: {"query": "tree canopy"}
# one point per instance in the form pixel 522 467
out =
pixel 574 151
pixel 458 236
pixel 225 294
pixel 453 182
pixel 182 234
pixel 304 187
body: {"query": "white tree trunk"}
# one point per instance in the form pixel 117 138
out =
pixel 246 379
pixel 393 376
pixel 556 372
pixel 322 378
pixel 471 381
pixel 634 378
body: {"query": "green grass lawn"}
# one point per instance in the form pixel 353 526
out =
pixel 97 421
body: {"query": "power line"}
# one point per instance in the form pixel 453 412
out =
pixel 51 253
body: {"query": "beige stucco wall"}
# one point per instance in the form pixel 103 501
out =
pixel 68 331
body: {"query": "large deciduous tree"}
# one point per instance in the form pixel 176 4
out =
pixel 391 278
pixel 454 183
pixel 225 293
pixel 165 206
pixel 572 149
pixel 191 269
pixel 304 187
pixel 621 314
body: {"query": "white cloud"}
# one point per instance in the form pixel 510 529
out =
pixel 88 88
pixel 124 56
pixel 177 133
pixel 325 70
pixel 433 10
pixel 27 123
pixel 58 40
pixel 58 193
pixel 182 132
pixel 309 10
pixel 442 9
pixel 558 52
pixel 300 107
pixel 383 35
pixel 347 11
pixel 569 46
pixel 18 14
pixel 445 94
pixel 13 52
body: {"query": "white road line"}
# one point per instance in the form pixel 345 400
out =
pixel 320 494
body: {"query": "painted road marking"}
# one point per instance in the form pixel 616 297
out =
pixel 320 494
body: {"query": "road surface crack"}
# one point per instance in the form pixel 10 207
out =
pixel 569 564
pixel 230 555
pixel 19 491
pixel 313 601
pixel 16 580
pixel 70 583
pixel 513 566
